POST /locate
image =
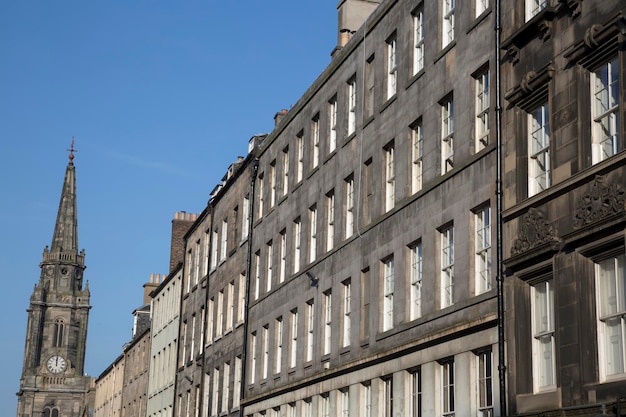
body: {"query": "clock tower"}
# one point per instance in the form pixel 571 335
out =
pixel 53 383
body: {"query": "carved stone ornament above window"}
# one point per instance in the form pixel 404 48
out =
pixel 532 88
pixel 574 7
pixel 603 200
pixel 540 26
pixel 599 42
pixel 535 231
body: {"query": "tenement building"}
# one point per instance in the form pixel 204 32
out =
pixel 564 210
pixel 121 390
pixel 53 382
pixel 164 344
pixel 371 286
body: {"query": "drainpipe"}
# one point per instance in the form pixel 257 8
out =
pixel 499 272
pixel 252 199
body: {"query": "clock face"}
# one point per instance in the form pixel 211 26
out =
pixel 56 364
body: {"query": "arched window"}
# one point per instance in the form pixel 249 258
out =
pixel 59 326
pixel 50 412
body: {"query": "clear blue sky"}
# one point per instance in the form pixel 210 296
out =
pixel 161 97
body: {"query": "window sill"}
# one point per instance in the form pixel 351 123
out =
pixel 445 50
pixel 414 78
pixel 479 19
pixel 367 121
pixel 388 102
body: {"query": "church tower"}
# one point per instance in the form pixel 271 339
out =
pixel 53 383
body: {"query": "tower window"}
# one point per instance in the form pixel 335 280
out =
pixel 59 327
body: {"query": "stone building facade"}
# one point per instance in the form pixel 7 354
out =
pixel 231 207
pixel 53 382
pixel 164 344
pixel 372 285
pixel 192 316
pixel 564 213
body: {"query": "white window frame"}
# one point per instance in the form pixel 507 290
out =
pixel 447 27
pixel 447 387
pixel 273 190
pixel 297 244
pixel 349 206
pixel 387 396
pixel 481 82
pixel 245 220
pixel 224 241
pixel 533 7
pixel 214 250
pixel 283 256
pixel 237 383
pixel 312 233
pixel 388 292
pixel 300 150
pixel 269 263
pixel 332 125
pixel 257 274
pixel 447 135
pixel 216 392
pixel 392 66
pixel 447 266
pixel 418 40
pixel 330 220
pixel 293 355
pixel 278 354
pixel 366 398
pixel 605 111
pixel 315 135
pixel 482 249
pixel 310 329
pixel 230 305
pixel 484 382
pixel 611 313
pixel 481 7
pixel 414 381
pixel 417 153
pixel 351 106
pixel 220 314
pixel 225 387
pixel 416 278
pixel 390 177
pixel 265 348
pixel 285 184
pixel 241 299
pixel 210 321
pixel 543 333
pixel 345 402
pixel 253 357
pixel 347 309
pixel 328 322
pixel 538 149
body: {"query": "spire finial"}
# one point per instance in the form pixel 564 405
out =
pixel 72 150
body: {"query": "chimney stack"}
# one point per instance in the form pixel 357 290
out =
pixel 352 15
pixel 279 116
pixel 180 225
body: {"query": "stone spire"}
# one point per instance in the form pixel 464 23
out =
pixel 65 238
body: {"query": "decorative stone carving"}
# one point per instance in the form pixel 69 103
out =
pixel 574 7
pixel 603 200
pixel 535 231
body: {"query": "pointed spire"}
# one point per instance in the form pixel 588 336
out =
pixel 65 238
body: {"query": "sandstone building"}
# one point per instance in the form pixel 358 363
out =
pixel 53 383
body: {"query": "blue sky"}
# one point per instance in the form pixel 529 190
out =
pixel 161 96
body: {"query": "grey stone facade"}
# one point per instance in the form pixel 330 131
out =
pixel 53 380
pixel 559 237
pixel 366 238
